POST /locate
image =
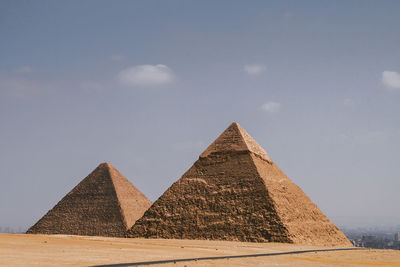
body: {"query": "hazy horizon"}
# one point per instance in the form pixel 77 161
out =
pixel 148 85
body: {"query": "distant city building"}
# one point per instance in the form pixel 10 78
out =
pixel 397 236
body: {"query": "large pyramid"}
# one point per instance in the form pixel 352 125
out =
pixel 235 192
pixel 105 203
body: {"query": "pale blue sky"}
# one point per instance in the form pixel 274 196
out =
pixel 147 85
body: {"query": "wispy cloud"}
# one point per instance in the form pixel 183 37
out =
pixel 391 79
pixel 21 88
pixel 189 145
pixel 288 15
pixel 271 107
pixel 92 86
pixel 348 102
pixel 146 75
pixel 370 137
pixel 20 83
pixel 25 69
pixel 364 137
pixel 116 57
pixel 254 69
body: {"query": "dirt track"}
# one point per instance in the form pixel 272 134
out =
pixel 23 250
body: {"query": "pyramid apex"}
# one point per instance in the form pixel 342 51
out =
pixel 235 138
pixel 105 165
pixel 107 168
pixel 234 124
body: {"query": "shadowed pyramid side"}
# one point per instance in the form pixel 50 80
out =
pixel 96 206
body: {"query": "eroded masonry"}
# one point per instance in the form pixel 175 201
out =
pixel 235 192
pixel 105 203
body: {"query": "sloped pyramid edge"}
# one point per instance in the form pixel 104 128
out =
pixel 133 203
pixel 305 222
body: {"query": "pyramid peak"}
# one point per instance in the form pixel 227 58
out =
pixel 105 164
pixel 235 138
pixel 234 125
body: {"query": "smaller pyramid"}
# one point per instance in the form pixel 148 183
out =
pixel 105 203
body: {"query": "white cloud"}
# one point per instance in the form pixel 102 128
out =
pixel 271 107
pixel 25 69
pixel 116 57
pixel 391 79
pixel 254 69
pixel 348 102
pixel 146 75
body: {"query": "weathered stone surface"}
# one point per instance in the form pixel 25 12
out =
pixel 305 223
pixel 105 203
pixel 235 192
pixel 235 138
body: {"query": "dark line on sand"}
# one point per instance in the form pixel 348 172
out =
pixel 222 257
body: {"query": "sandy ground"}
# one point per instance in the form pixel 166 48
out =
pixel 62 250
